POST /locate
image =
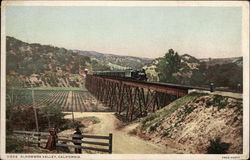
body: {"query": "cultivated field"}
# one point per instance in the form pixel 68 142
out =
pixel 69 99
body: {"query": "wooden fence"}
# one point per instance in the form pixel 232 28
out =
pixel 41 137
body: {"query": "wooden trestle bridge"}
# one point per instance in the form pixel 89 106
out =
pixel 133 99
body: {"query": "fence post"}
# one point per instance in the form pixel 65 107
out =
pixel 38 136
pixel 238 87
pixel 211 87
pixel 110 143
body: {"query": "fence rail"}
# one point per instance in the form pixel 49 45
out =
pixel 35 137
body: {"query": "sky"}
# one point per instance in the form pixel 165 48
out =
pixel 143 31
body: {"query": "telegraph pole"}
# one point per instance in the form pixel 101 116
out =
pixel 73 114
pixel 35 113
pixel 72 106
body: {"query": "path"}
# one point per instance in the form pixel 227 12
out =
pixel 123 143
pixel 227 94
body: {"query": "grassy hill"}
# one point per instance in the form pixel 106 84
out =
pixel 114 62
pixel 220 61
pixel 33 64
pixel 197 122
pixel 44 65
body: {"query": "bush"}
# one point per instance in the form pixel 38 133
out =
pixel 188 109
pixel 153 127
pixel 50 113
pixel 218 101
pixel 13 146
pixel 217 147
pixel 69 124
pixel 93 119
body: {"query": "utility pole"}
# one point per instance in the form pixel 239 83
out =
pixel 72 106
pixel 48 120
pixel 35 113
pixel 73 114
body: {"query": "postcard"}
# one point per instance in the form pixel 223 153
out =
pixel 124 80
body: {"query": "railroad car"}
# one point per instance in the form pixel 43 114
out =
pixel 125 74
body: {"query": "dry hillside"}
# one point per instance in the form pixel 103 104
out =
pixel 192 122
pixel 39 65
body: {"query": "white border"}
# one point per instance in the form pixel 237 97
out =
pixel 245 51
pixel 126 3
pixel 3 90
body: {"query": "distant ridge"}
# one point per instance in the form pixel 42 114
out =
pixel 98 54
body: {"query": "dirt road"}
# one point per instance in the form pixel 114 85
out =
pixel 123 143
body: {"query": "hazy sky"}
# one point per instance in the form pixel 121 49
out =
pixel 135 31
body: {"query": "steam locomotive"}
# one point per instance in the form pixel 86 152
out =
pixel 125 74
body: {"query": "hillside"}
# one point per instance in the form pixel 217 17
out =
pixel 194 122
pixel 49 66
pixel 113 62
pixel 226 73
pixel 44 65
pixel 220 61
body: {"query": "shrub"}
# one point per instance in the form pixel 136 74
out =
pixel 93 119
pixel 188 109
pixel 153 127
pixel 167 131
pixel 218 101
pixel 68 124
pixel 57 119
pixel 13 146
pixel 217 147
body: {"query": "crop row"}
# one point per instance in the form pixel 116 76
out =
pixel 76 100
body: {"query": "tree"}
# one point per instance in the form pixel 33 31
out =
pixel 168 65
pixel 15 96
pixel 51 116
pixel 13 90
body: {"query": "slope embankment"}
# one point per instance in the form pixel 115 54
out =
pixel 197 123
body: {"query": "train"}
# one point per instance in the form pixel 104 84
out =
pixel 130 74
